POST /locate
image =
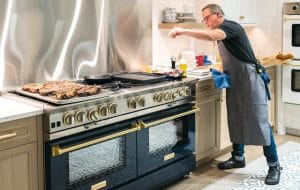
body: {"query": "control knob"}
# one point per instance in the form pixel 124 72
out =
pixel 112 108
pixel 158 97
pixel 141 101
pixel 174 95
pixel 132 103
pixel 103 110
pixel 79 116
pixel 92 115
pixel 167 96
pixel 68 118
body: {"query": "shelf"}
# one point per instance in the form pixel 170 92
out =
pixel 181 25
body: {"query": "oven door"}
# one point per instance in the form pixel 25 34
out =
pixel 291 35
pixel 99 159
pixel 291 84
pixel 167 137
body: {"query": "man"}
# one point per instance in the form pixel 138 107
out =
pixel 246 98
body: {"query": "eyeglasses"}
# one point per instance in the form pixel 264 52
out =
pixel 205 19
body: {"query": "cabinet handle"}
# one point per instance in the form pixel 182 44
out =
pixel 10 135
pixel 242 17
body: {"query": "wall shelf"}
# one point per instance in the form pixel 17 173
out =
pixel 181 25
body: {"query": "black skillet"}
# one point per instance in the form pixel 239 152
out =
pixel 98 79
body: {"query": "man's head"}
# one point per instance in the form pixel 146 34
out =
pixel 213 15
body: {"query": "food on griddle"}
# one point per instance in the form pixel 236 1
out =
pixel 32 87
pixel 62 89
pixel 283 57
pixel 88 91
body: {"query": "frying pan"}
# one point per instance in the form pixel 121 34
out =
pixel 98 79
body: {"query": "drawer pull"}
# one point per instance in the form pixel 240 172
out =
pixel 204 88
pixel 99 185
pixel 10 135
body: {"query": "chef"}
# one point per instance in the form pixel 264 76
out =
pixel 247 97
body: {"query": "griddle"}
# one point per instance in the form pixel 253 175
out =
pixel 140 77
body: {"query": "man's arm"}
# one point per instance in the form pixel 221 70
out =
pixel 209 35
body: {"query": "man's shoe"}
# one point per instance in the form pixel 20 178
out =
pixel 273 176
pixel 231 163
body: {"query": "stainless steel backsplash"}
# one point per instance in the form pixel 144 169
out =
pixel 67 39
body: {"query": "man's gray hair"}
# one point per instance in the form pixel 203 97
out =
pixel 214 8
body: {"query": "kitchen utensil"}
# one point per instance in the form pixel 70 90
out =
pixel 140 77
pixel 98 79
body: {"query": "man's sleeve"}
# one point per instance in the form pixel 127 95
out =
pixel 229 30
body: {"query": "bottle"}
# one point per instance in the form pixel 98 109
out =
pixel 173 62
pixel 183 67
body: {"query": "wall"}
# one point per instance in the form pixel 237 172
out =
pixel 265 37
pixel 62 39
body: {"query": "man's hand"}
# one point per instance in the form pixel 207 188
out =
pixel 176 32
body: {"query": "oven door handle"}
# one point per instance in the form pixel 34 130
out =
pixel 57 150
pixel 147 125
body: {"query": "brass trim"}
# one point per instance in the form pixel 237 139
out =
pixel 56 150
pixel 7 136
pixel 99 185
pixel 147 125
pixel 169 156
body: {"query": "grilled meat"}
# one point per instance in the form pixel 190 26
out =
pixel 62 89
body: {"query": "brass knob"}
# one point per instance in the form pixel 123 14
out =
pixel 167 96
pixel 112 108
pixel 141 101
pixel 174 95
pixel 68 118
pixel 242 17
pixel 181 92
pixel 92 115
pixel 132 103
pixel 79 116
pixel 103 110
pixel 188 91
pixel 158 97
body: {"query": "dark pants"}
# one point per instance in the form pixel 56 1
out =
pixel 270 151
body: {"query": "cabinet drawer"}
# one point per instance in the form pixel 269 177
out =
pixel 206 88
pixel 18 132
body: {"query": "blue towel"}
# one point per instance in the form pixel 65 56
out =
pixel 265 77
pixel 221 79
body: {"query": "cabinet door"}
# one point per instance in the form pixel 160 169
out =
pixel 231 9
pixel 224 131
pixel 18 168
pixel 207 126
pixel 241 11
pixel 248 12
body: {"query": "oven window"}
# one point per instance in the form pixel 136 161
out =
pixel 295 80
pixel 165 136
pixel 296 35
pixel 96 160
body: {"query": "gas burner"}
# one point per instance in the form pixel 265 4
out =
pixel 116 85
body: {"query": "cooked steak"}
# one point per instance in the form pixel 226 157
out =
pixel 88 91
pixel 62 89
pixel 32 87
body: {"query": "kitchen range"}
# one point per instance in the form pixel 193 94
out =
pixel 138 135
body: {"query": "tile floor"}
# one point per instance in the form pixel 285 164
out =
pixel 208 174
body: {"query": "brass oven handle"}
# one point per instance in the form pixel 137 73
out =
pixel 7 136
pixel 147 125
pixel 56 150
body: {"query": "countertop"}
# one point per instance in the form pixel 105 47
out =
pixel 12 109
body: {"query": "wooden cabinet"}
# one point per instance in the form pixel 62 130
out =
pixel 272 103
pixel 207 120
pixel 242 11
pixel 21 155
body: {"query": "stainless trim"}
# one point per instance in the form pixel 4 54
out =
pixel 94 125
